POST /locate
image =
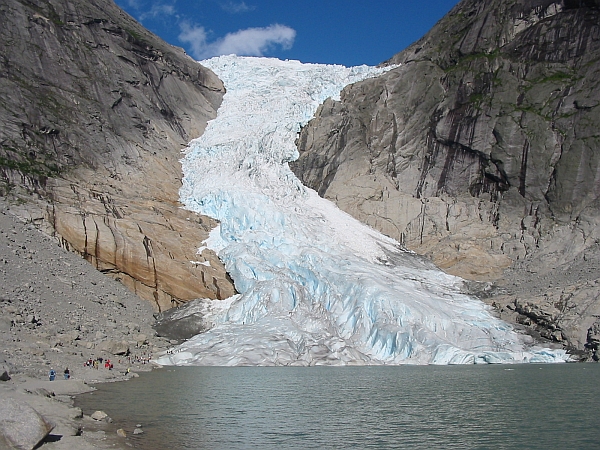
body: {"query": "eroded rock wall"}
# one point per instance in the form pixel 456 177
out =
pixel 95 111
pixel 480 151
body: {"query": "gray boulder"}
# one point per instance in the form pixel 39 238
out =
pixel 21 426
pixel 99 415
pixel 6 368
pixel 114 347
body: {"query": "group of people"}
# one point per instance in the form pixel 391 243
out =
pixel 52 374
pixel 140 359
pixel 96 363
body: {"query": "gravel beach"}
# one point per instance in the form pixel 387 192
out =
pixel 57 312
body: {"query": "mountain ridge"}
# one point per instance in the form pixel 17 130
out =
pixel 451 153
pixel 477 152
pixel 95 111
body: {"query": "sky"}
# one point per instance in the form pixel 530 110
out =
pixel 347 32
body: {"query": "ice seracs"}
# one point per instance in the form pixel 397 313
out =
pixel 316 286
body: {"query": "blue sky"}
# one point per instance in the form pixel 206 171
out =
pixel 349 32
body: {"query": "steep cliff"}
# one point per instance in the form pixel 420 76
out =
pixel 481 151
pixel 95 111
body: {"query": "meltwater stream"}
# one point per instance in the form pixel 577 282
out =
pixel 316 286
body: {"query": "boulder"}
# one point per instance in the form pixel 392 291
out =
pixel 99 415
pixel 6 368
pixel 140 339
pixel 43 392
pixel 21 426
pixel 114 347
pixel 68 337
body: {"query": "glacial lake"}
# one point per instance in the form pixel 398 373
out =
pixel 525 406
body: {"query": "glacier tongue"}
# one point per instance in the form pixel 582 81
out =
pixel 316 286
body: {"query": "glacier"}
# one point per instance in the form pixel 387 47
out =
pixel 316 287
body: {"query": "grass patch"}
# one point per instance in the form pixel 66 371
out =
pixel 465 60
pixel 555 77
pixel 134 34
pixel 30 166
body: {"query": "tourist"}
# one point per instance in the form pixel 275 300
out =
pixel 67 374
pixel 52 374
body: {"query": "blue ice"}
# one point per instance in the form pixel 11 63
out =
pixel 316 286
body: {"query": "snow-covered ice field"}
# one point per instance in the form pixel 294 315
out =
pixel 316 286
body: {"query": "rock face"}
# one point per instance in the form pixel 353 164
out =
pixel 183 322
pixel 94 112
pixel 480 152
pixel 21 426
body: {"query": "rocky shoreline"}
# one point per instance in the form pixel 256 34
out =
pixel 57 312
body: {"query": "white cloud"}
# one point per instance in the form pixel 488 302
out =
pixel 135 4
pixel 248 42
pixel 158 9
pixel 194 36
pixel 235 7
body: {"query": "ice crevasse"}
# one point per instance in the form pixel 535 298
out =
pixel 316 286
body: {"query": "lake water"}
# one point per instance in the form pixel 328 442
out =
pixel 402 407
